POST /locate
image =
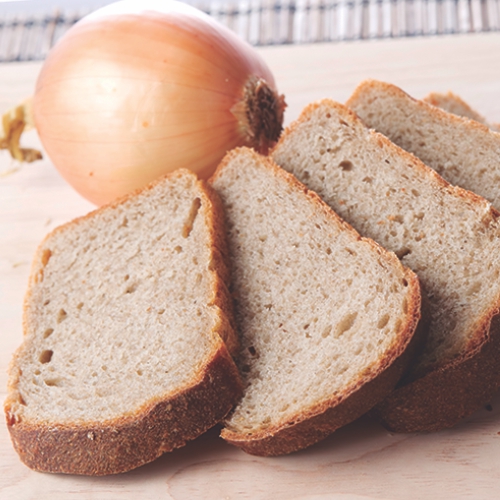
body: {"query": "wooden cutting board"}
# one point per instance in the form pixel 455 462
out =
pixel 361 461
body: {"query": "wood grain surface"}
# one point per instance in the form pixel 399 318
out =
pixel 361 461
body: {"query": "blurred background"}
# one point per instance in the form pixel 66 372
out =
pixel 28 28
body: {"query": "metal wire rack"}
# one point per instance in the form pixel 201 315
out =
pixel 270 22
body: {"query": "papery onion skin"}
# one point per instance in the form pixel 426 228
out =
pixel 141 88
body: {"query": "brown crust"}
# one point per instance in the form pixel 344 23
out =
pixel 435 112
pixel 129 442
pixel 314 424
pixel 220 267
pixel 450 101
pixel 443 395
pixel 121 444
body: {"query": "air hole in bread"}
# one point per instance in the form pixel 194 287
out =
pixel 188 225
pixel 345 324
pixel 475 288
pixel 124 222
pixel 131 288
pixel 346 165
pixel 404 282
pixel 405 305
pixel 47 302
pixel 178 249
pixel 46 356
pixel 251 349
pixel 53 382
pixel 139 372
pixel 396 218
pixel 382 322
pixel 326 331
pixel 46 255
pixel 80 305
pixel 126 277
pixel 403 252
pixel 61 315
pixel 48 332
pixel 368 180
pixel 351 252
pixel 415 193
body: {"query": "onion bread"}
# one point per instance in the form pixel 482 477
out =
pixel 466 153
pixel 450 237
pixel 125 320
pixel 326 317
pixel 452 103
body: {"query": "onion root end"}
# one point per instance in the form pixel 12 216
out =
pixel 260 114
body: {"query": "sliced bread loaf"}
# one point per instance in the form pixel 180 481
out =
pixel 125 320
pixel 454 104
pixel 326 317
pixel 449 236
pixel 463 151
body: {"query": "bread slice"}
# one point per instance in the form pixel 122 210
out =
pixel 452 103
pixel 464 152
pixel 448 236
pixel 326 317
pixel 125 320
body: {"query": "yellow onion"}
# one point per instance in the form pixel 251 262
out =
pixel 140 88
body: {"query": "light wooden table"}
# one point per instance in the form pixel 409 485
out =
pixel 361 461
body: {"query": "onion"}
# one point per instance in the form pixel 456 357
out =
pixel 140 88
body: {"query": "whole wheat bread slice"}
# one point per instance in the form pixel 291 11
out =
pixel 326 317
pixel 450 237
pixel 452 103
pixel 125 320
pixel 466 153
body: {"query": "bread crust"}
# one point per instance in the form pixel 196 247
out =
pixel 315 423
pixel 438 113
pixel 122 444
pixel 162 424
pixel 442 395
